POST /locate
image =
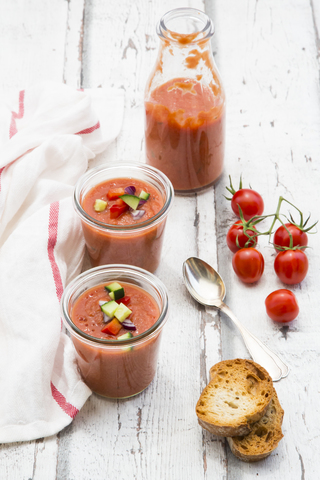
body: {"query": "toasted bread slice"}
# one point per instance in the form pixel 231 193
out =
pixel 264 436
pixel 237 396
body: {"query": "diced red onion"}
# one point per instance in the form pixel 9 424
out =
pixel 136 214
pixel 128 324
pixel 130 190
pixel 106 318
pixel 142 202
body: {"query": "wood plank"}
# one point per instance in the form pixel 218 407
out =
pixel 34 35
pixel 72 75
pixel 271 74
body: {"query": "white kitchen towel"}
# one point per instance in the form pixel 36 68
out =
pixel 46 141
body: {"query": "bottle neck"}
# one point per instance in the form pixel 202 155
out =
pixel 185 27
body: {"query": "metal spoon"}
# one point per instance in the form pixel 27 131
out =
pixel 207 287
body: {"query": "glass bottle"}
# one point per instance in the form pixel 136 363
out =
pixel 185 103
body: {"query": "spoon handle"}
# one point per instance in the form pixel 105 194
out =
pixel 258 351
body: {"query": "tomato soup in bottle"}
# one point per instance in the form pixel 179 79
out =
pixel 115 315
pixel 185 103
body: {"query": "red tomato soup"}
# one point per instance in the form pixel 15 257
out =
pixel 106 243
pixel 116 371
pixel 185 130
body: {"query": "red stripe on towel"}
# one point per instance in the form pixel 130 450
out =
pixel 52 240
pixel 62 402
pixel 89 130
pixel 13 127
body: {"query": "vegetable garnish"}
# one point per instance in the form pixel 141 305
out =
pixel 100 205
pixel 106 318
pixel 122 312
pixel 118 208
pixel 116 291
pixel 137 214
pixel 125 336
pixel 124 199
pixel 115 193
pixel 130 190
pixel 131 200
pixel 113 286
pixel 113 328
pixel 125 300
pixel 144 195
pixel 116 309
pixel 128 324
pixel 109 308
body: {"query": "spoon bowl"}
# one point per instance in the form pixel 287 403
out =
pixel 207 287
pixel 203 282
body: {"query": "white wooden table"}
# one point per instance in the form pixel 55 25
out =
pixel 268 56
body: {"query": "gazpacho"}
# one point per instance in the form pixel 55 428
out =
pixel 122 201
pixel 123 217
pixel 185 103
pixel 185 130
pixel 101 313
pixel 116 327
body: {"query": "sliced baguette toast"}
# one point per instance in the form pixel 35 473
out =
pixel 236 397
pixel 264 436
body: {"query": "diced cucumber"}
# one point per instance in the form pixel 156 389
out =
pixel 100 205
pixel 144 195
pixel 113 286
pixel 109 308
pixel 115 290
pixel 122 312
pixel 131 200
pixel 117 294
pixel 125 336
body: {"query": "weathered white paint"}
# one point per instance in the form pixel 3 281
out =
pixel 268 56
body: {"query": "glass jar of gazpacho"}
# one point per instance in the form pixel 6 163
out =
pixel 115 315
pixel 123 209
pixel 185 103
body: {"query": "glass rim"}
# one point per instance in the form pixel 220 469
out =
pixel 155 282
pixel 163 212
pixel 165 34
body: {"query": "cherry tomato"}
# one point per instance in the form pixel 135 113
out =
pixel 236 232
pixel 282 306
pixel 291 266
pixel 248 264
pixel 250 202
pixel 281 237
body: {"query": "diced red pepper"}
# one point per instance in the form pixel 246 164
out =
pixel 115 193
pixel 117 210
pixel 120 202
pixel 125 300
pixel 113 327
